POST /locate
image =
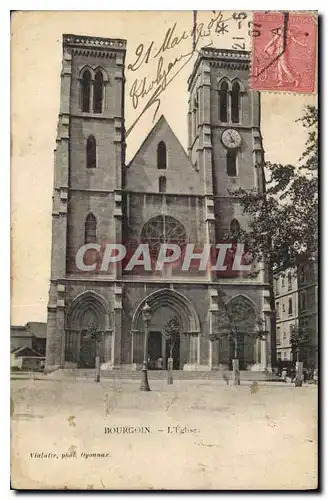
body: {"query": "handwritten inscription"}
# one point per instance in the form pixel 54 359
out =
pixel 172 40
pixel 151 88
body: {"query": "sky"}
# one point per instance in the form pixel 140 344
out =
pixel 35 97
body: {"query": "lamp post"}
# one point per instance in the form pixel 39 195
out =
pixel 261 333
pixel 146 314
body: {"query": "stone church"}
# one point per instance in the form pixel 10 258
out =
pixel 165 194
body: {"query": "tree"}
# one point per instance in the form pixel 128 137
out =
pixel 299 340
pixel 95 336
pixel 237 321
pixel 171 332
pixel 283 215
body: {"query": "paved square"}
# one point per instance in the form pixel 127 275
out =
pixel 234 437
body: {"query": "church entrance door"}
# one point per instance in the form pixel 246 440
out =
pixel 240 351
pixel 158 347
pixel 87 353
pixel 155 350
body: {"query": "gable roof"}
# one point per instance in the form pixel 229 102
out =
pixel 162 120
pixel 25 352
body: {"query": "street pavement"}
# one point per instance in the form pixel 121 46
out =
pixel 76 434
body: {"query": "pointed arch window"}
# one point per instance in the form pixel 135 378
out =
pixel 90 229
pixel 232 162
pixel 86 91
pixel 235 103
pixel 161 156
pixel 91 152
pixel 223 108
pixel 98 92
pixel 162 184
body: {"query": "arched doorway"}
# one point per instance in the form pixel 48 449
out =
pixel 88 310
pixel 158 346
pixel 165 304
pixel 159 352
pixel 242 342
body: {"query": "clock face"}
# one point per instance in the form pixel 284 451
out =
pixel 231 138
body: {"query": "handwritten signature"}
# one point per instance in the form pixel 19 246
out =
pixel 154 87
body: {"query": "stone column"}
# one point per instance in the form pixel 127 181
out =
pixel 184 349
pixel 138 337
pixel 107 346
pixel 263 354
pixel 192 352
pixel 116 342
pixel 213 327
pixel 60 338
pixel 132 347
pixel 117 326
pixel 210 349
pixel 193 355
pixel 78 347
pixel 257 351
pixel 51 332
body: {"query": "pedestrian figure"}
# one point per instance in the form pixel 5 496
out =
pixel 225 378
pixel 159 363
pixel 284 375
pixel 149 362
pixel 315 376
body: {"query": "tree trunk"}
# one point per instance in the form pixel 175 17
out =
pixel 236 346
pixel 235 363
pixel 170 370
pixel 97 379
pixel 272 301
pixel 235 372
pixel 299 374
pixel 269 265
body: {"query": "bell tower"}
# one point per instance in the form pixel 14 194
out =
pixel 96 129
pixel 225 147
pixel 89 159
pixel 225 143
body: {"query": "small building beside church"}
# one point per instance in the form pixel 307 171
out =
pixel 28 345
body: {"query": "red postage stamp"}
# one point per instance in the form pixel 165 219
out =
pixel 284 52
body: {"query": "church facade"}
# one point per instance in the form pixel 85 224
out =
pixel 163 195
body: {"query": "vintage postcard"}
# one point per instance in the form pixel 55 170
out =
pixel 164 320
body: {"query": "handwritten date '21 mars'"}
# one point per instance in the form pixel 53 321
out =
pixel 166 73
pixel 141 87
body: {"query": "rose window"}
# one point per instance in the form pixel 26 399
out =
pixel 163 229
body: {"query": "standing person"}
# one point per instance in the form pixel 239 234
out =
pixel 315 376
pixel 159 363
pixel 284 374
